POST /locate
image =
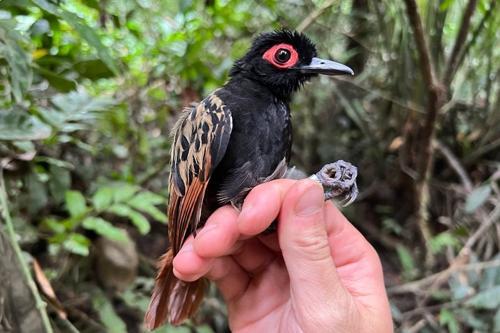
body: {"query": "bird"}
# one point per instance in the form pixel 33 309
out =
pixel 236 138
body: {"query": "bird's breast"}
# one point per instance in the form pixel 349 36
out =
pixel 260 140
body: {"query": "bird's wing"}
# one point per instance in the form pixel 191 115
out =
pixel 201 137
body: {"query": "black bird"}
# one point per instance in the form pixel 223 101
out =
pixel 236 138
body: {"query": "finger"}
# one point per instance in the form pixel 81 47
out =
pixel 304 243
pixel 216 238
pixel 262 206
pixel 229 277
pixel 271 241
pixel 189 266
pixel 265 295
pixel 219 235
pixel 357 262
pixel 253 256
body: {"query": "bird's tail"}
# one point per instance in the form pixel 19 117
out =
pixel 173 300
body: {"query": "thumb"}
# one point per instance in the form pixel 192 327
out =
pixel 304 243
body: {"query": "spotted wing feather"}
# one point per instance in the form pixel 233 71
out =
pixel 200 141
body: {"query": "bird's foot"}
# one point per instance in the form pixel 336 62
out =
pixel 339 181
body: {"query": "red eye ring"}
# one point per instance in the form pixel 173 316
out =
pixel 270 55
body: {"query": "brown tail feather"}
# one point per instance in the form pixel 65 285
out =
pixel 173 300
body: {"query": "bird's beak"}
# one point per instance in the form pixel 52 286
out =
pixel 326 67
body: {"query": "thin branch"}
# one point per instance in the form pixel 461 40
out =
pixel 464 253
pixel 433 308
pixel 314 15
pixel 423 50
pixel 481 151
pixel 422 284
pixel 494 217
pixel 417 327
pixel 40 304
pixel 435 101
pixel 456 165
pixel 459 42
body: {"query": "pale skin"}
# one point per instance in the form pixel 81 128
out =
pixel 316 274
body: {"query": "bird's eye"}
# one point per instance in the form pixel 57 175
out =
pixel 282 56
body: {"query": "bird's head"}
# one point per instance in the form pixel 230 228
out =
pixel 283 60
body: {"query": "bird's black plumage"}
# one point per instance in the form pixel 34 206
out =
pixel 236 138
pixel 261 138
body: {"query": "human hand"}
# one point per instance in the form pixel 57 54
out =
pixel 316 274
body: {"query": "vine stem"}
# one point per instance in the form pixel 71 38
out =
pixel 40 304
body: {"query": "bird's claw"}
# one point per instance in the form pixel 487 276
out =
pixel 338 180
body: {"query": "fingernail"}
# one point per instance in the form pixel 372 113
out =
pixel 310 202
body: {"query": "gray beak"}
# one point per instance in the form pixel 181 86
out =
pixel 326 67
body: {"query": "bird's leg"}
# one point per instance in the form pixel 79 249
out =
pixel 338 180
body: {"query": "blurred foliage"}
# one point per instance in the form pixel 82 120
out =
pixel 90 89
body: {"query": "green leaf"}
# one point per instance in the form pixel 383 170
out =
pixel 155 213
pixel 19 125
pixel 445 5
pixel 54 225
pixel 145 201
pixel 146 197
pixel 406 260
pixel 141 223
pixel 477 197
pixel 442 240
pixel 124 191
pixel 135 300
pixel 102 198
pixel 107 314
pixel 47 6
pixel 17 59
pixel 57 81
pixel 79 105
pixel 75 203
pixel 204 329
pixel 9 3
pixel 93 69
pixel 92 38
pixel 59 182
pixel 74 111
pixel 172 329
pixel 483 8
pixel 487 299
pixel 447 318
pixel 36 194
pixel 77 244
pixel 86 32
pixel 104 228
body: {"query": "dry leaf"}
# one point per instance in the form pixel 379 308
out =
pixel 396 143
pixel 47 290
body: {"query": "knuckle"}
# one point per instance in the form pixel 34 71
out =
pixel 314 245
